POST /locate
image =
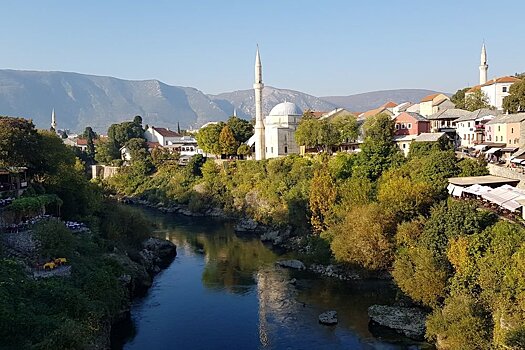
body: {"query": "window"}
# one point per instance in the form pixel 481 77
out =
pixel 403 126
pixel 404 145
pixel 512 130
pixel 504 89
pixel 409 126
pixel 397 126
pixel 464 137
pixel 271 149
pixel 285 149
pixel 499 128
pixel 468 125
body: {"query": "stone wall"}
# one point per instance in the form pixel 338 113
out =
pixel 510 173
pixel 103 171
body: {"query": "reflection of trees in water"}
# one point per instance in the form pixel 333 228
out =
pixel 231 261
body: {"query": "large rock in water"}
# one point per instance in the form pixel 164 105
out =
pixel 158 251
pixel 246 225
pixel 292 264
pixel 409 321
pixel 329 318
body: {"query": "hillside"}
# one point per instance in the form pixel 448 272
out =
pixel 98 101
pixel 369 100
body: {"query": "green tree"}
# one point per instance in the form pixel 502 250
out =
pixel 242 129
pixel 473 167
pixel 476 100
pixel 307 132
pixel 459 98
pixel 322 197
pixel 364 237
pixel 227 142
pixel 106 151
pixel 208 138
pixel 378 152
pixel 90 135
pixel 347 127
pixel 515 101
pixel 121 133
pixel 19 144
pixel 243 150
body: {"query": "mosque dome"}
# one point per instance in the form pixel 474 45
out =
pixel 286 108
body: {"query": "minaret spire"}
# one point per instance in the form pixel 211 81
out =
pixel 53 120
pixel 483 66
pixel 260 150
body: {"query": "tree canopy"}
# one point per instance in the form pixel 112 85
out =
pixel 476 100
pixel 515 101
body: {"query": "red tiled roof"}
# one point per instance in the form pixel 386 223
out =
pixel 81 142
pixel 429 97
pixel 389 104
pixel 506 79
pixel 166 132
pixel 318 114
pixel 152 144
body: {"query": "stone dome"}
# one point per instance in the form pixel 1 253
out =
pixel 286 108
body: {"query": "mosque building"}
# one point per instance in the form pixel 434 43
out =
pixel 275 134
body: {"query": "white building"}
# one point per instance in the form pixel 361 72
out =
pixel 495 89
pixel 185 145
pixel 471 128
pixel 280 126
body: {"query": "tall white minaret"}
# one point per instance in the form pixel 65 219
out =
pixel 483 67
pixel 259 121
pixel 53 120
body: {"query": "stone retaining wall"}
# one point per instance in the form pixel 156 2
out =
pixel 510 173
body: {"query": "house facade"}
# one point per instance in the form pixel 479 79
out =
pixel 495 90
pixel 506 128
pixel 471 128
pixel 409 123
pixel 434 103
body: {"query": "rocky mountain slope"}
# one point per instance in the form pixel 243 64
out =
pixel 86 100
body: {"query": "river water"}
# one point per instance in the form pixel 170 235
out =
pixel 223 291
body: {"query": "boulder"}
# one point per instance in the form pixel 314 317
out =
pixel 246 225
pixel 328 318
pixel 158 251
pixel 292 264
pixel 409 321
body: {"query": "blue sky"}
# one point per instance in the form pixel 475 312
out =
pixel 324 47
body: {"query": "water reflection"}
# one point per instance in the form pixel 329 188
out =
pixel 224 291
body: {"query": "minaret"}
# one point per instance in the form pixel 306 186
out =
pixel 259 121
pixel 53 120
pixel 483 67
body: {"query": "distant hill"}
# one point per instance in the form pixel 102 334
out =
pixel 86 100
pixel 243 101
pixel 369 100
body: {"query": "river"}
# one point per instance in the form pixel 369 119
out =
pixel 223 291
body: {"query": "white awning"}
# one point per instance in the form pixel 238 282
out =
pixel 477 190
pixel 450 188
pixel 511 205
pixel 493 150
pixel 480 147
pixel 517 161
pixel 458 191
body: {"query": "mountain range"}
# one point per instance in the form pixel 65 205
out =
pixel 82 100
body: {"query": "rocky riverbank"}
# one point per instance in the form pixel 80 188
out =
pixel 280 237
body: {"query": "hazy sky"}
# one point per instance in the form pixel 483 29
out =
pixel 322 47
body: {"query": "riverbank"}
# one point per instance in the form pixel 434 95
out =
pixel 90 278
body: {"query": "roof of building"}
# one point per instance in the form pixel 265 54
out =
pixel 152 144
pixel 429 136
pixel 389 104
pixel 401 138
pixel 501 80
pixel 508 118
pixel 414 115
pixel 81 142
pixel 286 108
pixel 429 97
pixel 166 132
pixel 451 113
pixel 479 113
pixel 374 112
pixel 481 180
pixel 318 115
